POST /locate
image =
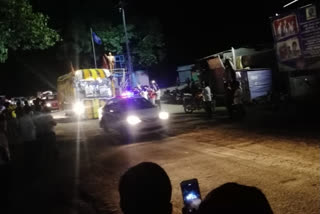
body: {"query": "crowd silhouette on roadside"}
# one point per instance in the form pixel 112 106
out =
pixel 27 128
pixel 146 188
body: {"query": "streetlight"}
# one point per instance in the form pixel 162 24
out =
pixel 130 68
pixel 290 3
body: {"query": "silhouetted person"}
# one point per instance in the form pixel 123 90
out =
pixel 37 106
pixel 7 114
pixel 4 167
pixel 46 136
pixel 26 107
pixel 27 133
pixel 145 189
pixel 19 110
pixel 229 97
pixel 237 99
pixel 188 82
pixel 231 198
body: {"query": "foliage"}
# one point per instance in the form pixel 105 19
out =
pixel 23 29
pixel 146 42
pixel 76 46
pixel 113 38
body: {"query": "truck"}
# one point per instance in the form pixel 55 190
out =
pixel 83 92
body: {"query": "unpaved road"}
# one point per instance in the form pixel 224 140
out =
pixel 284 166
pixel 284 162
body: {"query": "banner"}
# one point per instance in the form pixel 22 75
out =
pixel 297 39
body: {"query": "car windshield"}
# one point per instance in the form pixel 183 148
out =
pixel 136 104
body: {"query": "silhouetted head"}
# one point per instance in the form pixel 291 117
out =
pixel 233 198
pixel 6 104
pixel 145 189
pixel 18 103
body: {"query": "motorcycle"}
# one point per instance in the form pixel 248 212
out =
pixel 193 103
pixel 172 97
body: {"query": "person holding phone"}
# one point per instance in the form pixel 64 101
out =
pixel 191 196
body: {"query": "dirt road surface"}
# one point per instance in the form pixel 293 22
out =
pixel 274 155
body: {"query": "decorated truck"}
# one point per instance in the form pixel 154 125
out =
pixel 83 92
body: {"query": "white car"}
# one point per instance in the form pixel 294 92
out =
pixel 133 116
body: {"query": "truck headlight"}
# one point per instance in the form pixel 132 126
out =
pixel 100 112
pixel 164 115
pixel 133 120
pixel 48 105
pixel 78 108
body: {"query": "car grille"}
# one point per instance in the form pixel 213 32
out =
pixel 150 120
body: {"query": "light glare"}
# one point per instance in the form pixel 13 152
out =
pixel 133 120
pixel 164 115
pixel 78 108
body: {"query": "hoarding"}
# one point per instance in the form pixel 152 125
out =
pixel 297 39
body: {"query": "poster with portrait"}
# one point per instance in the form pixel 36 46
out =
pixel 298 46
pixel 311 12
pixel 289 49
pixel 285 27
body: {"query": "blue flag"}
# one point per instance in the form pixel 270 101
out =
pixel 96 38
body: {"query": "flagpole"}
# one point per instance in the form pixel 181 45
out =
pixel 93 49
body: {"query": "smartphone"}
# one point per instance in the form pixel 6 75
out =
pixel 191 194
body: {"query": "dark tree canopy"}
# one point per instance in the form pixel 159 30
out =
pixel 23 29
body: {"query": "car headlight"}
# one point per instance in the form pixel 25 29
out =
pixel 164 115
pixel 133 120
pixel 78 108
pixel 48 105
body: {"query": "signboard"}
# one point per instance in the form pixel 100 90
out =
pixel 297 39
pixel 120 61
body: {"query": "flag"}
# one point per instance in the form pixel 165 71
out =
pixel 96 38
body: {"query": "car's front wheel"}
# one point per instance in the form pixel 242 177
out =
pixel 188 108
pixel 125 135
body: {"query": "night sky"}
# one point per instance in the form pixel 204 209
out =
pixel 192 29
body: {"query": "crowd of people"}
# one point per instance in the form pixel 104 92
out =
pixel 151 93
pixel 204 93
pixel 30 127
pixel 146 188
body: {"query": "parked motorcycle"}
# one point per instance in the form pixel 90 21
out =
pixel 194 103
pixel 172 97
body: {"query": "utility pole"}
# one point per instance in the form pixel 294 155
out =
pixel 129 64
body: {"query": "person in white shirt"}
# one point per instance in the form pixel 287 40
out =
pixel 207 99
pixel 157 91
pixel 144 92
pixel 237 99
